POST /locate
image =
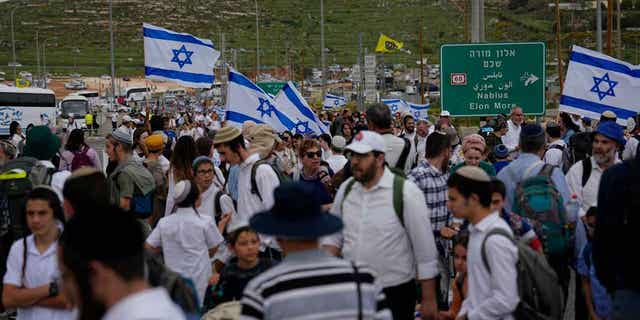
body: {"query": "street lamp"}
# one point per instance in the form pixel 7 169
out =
pixel 257 43
pixel 14 63
pixel 44 60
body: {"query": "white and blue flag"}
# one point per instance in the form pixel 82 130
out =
pixel 419 111
pixel 178 57
pixel 333 102
pixel 246 101
pixel 396 105
pixel 290 102
pixel 596 83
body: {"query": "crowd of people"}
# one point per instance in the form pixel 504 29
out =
pixel 387 216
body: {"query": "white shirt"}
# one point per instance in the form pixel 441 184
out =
pixel 16 139
pixel 512 138
pixel 114 117
pixel 208 199
pixel 373 233
pixel 410 135
pixel 587 195
pixel 630 149
pixel 164 163
pixel 491 295
pixel 326 154
pixel 553 156
pixel 394 146
pixel 249 203
pixel 57 179
pixel 337 162
pixel 185 238
pixel 41 269
pixel 420 147
pixel 149 304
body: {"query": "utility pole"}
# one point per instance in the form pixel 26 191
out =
pixel 421 68
pixel 235 59
pixel 223 67
pixel 599 25
pixel 609 26
pixel 477 21
pixel 302 71
pixel 619 33
pixel 257 42
pixel 112 48
pixel 360 73
pixel 38 55
pixel 322 56
pixel 13 46
pixel 558 47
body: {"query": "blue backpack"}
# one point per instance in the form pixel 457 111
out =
pixel 538 199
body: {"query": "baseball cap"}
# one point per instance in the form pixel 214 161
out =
pixel 367 141
pixel 338 142
pixel 445 113
pixel 126 118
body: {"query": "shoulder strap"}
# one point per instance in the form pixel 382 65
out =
pixel 546 170
pixel 356 275
pixel 254 183
pixel 216 203
pixel 586 170
pixel 398 197
pixel 347 189
pixel 483 252
pixel 402 160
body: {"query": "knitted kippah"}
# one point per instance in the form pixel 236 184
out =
pixel 474 173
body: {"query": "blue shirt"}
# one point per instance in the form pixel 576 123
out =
pixel 601 299
pixel 320 190
pixel 499 165
pixel 567 135
pixel 512 174
pixel 232 183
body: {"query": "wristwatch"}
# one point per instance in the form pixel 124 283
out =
pixel 53 289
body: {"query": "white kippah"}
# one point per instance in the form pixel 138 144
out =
pixel 474 173
pixel 181 191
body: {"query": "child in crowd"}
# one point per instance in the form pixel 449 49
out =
pixel 459 286
pixel 501 154
pixel 245 245
pixel 598 301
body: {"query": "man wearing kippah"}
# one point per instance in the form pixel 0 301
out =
pixel 493 287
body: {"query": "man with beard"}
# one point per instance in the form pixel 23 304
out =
pixel 431 176
pixel 386 226
pixel 584 176
pixel 409 124
pixel 514 125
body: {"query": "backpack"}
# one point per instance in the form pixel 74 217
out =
pixel 538 199
pixel 17 179
pixel 81 159
pixel 541 296
pixel 404 155
pixel 254 184
pixel 579 148
pixel 398 198
pixel 637 137
pixel 180 289
pixel 141 204
pixel 224 311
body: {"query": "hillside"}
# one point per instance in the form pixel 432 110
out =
pixel 287 28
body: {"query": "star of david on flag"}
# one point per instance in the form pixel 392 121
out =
pixel 290 102
pixel 596 83
pixel 610 83
pixel 187 55
pixel 265 107
pixel 178 57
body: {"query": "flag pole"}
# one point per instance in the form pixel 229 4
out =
pixel 609 26
pixel 558 49
pixel 421 70
pixel 302 71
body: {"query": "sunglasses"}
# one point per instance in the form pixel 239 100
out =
pixel 312 154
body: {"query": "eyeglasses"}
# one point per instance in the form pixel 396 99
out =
pixel 205 172
pixel 312 154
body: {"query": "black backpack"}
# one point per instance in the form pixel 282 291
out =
pixel 579 148
pixel 254 169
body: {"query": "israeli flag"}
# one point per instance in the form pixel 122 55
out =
pixel 333 102
pixel 396 105
pixel 178 57
pixel 290 101
pixel 596 83
pixel 419 111
pixel 246 101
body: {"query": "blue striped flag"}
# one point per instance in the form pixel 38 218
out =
pixel 246 101
pixel 333 102
pixel 596 83
pixel 178 57
pixel 290 101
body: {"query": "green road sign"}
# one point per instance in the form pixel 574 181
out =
pixel 491 78
pixel 271 87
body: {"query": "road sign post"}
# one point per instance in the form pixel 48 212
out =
pixel 491 78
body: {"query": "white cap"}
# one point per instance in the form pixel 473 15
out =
pixel 126 118
pixel 142 113
pixel 338 142
pixel 367 141
pixel 445 113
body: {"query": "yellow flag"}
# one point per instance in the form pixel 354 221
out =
pixel 386 44
pixel 22 83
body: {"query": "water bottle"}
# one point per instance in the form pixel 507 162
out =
pixel 573 206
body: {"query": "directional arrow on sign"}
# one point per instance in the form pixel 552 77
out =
pixel 532 78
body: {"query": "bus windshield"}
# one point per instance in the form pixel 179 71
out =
pixel 89 94
pixel 136 90
pixel 77 107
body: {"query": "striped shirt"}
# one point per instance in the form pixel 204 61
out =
pixel 313 285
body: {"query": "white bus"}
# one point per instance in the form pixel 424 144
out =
pixel 75 105
pixel 27 106
pixel 92 96
pixel 137 94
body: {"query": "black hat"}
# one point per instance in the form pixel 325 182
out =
pixel 296 214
